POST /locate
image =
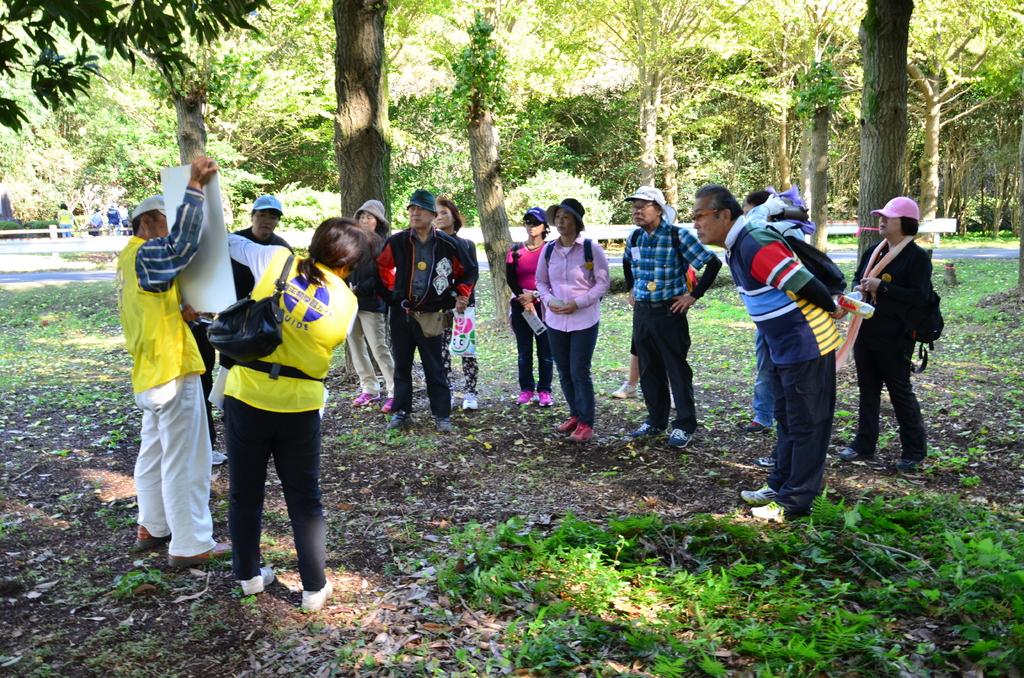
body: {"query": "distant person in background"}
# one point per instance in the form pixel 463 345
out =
pixel 521 272
pixel 6 210
pixel 65 221
pixel 114 219
pixel 369 332
pixel 96 223
pixel 449 220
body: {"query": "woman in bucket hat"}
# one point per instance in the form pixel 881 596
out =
pixel 896 278
pixel 369 334
pixel 572 276
pixel 521 270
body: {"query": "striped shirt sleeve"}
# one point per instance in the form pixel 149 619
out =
pixel 775 264
pixel 160 260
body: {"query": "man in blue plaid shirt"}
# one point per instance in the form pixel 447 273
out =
pixel 659 256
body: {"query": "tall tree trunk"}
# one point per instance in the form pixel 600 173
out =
pixel 782 152
pixel 1020 206
pixel 490 204
pixel 650 103
pixel 670 168
pixel 806 161
pixel 929 163
pixel 191 125
pixel 819 176
pixel 362 138
pixel 884 34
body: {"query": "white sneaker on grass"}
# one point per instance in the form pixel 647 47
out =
pixel 772 512
pixel 218 458
pixel 625 391
pixel 469 402
pixel 761 497
pixel 265 578
pixel 313 601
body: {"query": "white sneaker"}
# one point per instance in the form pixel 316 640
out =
pixel 251 587
pixel 312 601
pixel 625 391
pixel 218 458
pixel 761 497
pixel 469 402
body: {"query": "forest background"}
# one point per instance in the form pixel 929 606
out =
pixel 589 100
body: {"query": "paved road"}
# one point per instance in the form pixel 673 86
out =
pixel 50 277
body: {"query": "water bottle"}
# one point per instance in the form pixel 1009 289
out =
pixel 855 304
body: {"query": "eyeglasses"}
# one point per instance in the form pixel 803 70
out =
pixel 641 204
pixel 700 213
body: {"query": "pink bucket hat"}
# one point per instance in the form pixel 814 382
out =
pixel 899 207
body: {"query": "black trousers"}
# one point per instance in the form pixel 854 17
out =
pixel 889 367
pixel 662 342
pixel 209 355
pixel 805 403
pixel 406 338
pixel 292 439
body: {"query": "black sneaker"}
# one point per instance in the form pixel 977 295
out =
pixel 908 466
pixel 443 424
pixel 645 431
pixel 850 454
pixel 399 419
pixel 765 462
pixel 755 427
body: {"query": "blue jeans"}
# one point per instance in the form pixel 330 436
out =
pixel 525 341
pixel 764 399
pixel 573 353
pixel 805 402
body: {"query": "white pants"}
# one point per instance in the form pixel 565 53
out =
pixel 369 328
pixel 172 473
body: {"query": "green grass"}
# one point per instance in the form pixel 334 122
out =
pixel 718 594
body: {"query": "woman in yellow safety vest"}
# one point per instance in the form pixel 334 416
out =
pixel 272 406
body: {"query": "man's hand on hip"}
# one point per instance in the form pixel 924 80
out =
pixel 682 303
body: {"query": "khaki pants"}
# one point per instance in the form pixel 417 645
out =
pixel 370 335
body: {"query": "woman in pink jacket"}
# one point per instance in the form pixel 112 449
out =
pixel 572 276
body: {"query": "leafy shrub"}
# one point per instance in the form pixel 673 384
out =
pixel 552 186
pixel 305 208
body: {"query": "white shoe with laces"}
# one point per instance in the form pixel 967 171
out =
pixel 625 391
pixel 265 578
pixel 218 458
pixel 761 497
pixel 313 601
pixel 469 402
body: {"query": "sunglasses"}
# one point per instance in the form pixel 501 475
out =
pixel 530 223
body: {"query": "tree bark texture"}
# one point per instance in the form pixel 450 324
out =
pixel 884 34
pixel 670 169
pixel 1020 206
pixel 650 104
pixel 490 204
pixel 191 124
pixel 785 165
pixel 806 161
pixel 819 175
pixel 362 139
pixel 929 164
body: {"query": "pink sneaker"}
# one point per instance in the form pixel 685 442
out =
pixel 365 399
pixel 388 406
pixel 544 399
pixel 524 397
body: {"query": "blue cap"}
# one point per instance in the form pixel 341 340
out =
pixel 424 199
pixel 537 213
pixel 268 202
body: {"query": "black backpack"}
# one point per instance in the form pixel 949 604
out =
pixel 926 328
pixel 815 261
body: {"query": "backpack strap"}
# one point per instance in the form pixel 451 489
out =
pixel 588 251
pixel 922 354
pixel 549 248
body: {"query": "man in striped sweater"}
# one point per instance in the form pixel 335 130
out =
pixel 792 309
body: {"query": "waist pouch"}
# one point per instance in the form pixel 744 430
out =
pixel 432 323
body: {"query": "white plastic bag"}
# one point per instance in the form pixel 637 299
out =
pixel 463 341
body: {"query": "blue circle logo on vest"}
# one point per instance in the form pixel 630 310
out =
pixel 297 292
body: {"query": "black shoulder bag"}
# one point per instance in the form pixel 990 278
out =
pixel 249 329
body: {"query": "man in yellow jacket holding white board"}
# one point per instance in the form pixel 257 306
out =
pixel 172 472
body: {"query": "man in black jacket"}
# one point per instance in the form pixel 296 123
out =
pixel 423 273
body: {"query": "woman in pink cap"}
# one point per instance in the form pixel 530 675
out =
pixel 896 278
